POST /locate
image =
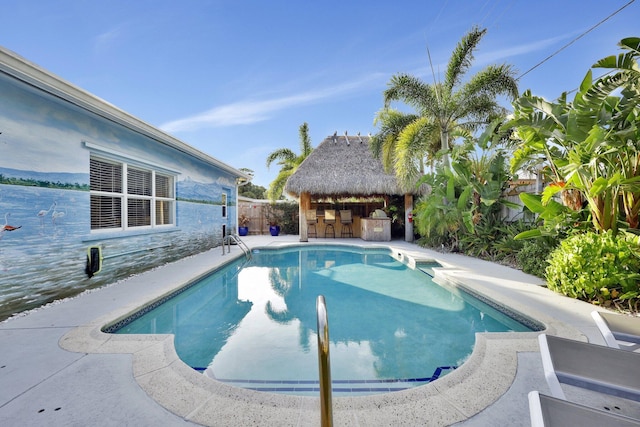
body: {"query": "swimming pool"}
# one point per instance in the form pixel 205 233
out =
pixel 253 325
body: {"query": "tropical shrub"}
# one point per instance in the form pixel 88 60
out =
pixel 488 238
pixel 588 146
pixel 532 258
pixel 289 217
pixel 466 197
pixel 437 216
pixel 599 268
pixel 506 247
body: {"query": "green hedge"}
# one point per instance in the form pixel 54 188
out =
pixel 599 268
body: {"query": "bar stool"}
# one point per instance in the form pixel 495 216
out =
pixel 329 221
pixel 312 220
pixel 346 220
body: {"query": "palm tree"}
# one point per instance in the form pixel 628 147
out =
pixel 289 162
pixel 450 106
pixel 402 133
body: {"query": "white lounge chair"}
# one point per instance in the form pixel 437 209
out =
pixel 547 411
pixel 619 331
pixel 593 367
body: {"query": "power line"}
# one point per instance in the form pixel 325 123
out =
pixel 573 41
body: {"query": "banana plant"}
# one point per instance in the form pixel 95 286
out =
pixel 589 145
pixel 625 127
pixel 439 214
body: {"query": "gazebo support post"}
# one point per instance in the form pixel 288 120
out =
pixel 305 204
pixel 408 213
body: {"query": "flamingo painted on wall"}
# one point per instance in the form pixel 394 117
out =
pixel 44 212
pixel 6 226
pixel 56 216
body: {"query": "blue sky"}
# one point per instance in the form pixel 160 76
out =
pixel 236 79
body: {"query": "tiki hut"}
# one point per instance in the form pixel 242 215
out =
pixel 344 167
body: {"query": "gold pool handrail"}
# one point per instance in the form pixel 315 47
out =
pixel 324 365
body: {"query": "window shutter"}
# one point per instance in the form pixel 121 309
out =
pixel 144 189
pixel 105 176
pixel 138 182
pixel 106 212
pixel 138 212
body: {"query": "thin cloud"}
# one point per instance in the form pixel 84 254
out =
pixel 108 38
pixel 523 49
pixel 253 111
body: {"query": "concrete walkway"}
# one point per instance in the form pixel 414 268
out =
pixel 57 369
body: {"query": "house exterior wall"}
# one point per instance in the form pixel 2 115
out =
pixel 45 214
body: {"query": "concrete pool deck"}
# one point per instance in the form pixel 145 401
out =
pixel 57 368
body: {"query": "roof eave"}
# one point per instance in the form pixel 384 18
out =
pixel 18 67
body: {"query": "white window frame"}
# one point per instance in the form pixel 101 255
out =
pixel 124 196
pixel 225 204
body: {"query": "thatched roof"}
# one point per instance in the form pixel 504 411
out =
pixel 343 166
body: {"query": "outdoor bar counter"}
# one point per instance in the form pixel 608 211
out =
pixel 321 226
pixel 375 229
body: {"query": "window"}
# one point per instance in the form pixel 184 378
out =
pixel 224 205
pixel 125 196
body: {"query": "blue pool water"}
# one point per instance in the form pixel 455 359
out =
pixel 254 324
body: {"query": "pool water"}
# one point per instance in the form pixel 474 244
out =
pixel 253 324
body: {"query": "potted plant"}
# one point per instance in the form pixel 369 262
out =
pixel 273 216
pixel 243 224
pixel 274 229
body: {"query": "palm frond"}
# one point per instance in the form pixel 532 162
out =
pixel 493 80
pixel 410 90
pixel 462 57
pixel 305 140
pixel 282 156
pixel 411 149
pixel 277 185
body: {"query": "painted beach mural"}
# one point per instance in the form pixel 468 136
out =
pixel 48 203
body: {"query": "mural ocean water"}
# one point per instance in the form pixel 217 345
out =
pixel 52 237
pixel 47 218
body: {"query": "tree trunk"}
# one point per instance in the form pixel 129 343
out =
pixel 444 140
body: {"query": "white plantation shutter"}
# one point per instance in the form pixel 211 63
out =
pixel 164 186
pixel 164 199
pixel 138 210
pixel 106 210
pixel 147 201
pixel 138 182
pixel 105 176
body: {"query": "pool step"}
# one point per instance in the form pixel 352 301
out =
pixel 340 387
